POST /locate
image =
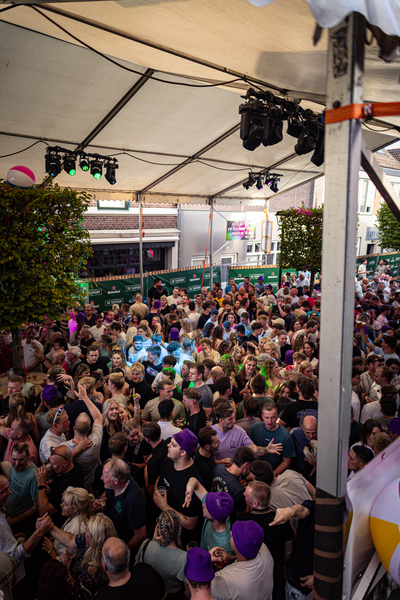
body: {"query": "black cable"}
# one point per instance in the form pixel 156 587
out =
pixel 379 130
pixel 221 168
pixel 24 150
pixel 114 62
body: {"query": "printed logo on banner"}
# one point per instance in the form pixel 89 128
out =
pixel 132 288
pixel 194 288
pixel 114 301
pixel 178 280
pixel 95 292
pixel 95 306
pixel 114 290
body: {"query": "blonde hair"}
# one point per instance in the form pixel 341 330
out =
pixel 106 407
pixel 310 451
pixel 117 379
pixel 88 383
pixel 17 408
pixel 51 417
pixel 137 367
pixel 196 336
pixel 304 365
pixel 100 528
pixel 81 502
pixel 129 426
pixel 187 326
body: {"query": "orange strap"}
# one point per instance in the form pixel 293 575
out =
pixel 362 111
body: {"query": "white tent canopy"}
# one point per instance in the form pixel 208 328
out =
pixel 56 90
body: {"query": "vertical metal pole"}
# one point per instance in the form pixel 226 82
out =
pixel 141 242
pixel 211 241
pixel 180 228
pixel 342 159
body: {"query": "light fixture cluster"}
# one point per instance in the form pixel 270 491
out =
pixel 58 159
pixel 262 117
pixel 261 179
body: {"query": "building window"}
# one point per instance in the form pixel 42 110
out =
pixel 366 195
pixel 108 258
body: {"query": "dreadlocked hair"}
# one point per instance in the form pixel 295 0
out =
pixel 170 528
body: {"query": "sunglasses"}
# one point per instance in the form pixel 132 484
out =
pixel 58 413
pixel 54 453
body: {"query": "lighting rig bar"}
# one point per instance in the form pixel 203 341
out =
pixel 261 179
pixel 262 116
pixel 58 158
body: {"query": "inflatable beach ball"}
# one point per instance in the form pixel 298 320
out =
pixel 384 523
pixel 20 176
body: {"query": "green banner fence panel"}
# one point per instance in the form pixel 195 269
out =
pixel 103 292
pixel 189 278
pixel 270 274
pixel 393 259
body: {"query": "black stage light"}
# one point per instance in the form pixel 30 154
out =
pixel 53 163
pixel 70 164
pixel 253 125
pixel 84 163
pixel 96 168
pixel 308 138
pixel 259 183
pixel 273 133
pixel 318 157
pixel 251 181
pixel 111 166
pixel 274 185
pixel 295 125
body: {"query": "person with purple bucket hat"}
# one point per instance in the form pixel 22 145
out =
pixel 175 472
pixel 251 576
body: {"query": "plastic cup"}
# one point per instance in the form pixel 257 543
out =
pixel 228 458
pixel 161 490
pixel 71 552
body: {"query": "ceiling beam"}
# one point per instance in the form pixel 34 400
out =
pixel 189 160
pixel 116 109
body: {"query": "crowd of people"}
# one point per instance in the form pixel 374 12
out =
pixel 171 449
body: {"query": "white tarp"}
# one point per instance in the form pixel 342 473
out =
pixel 384 14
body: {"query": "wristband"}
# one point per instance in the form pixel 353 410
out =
pixel 41 487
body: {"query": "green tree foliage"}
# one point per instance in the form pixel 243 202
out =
pixel 301 239
pixel 388 227
pixel 44 246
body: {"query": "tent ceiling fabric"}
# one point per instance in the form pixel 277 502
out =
pixel 55 89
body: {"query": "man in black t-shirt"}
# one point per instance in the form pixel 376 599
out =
pixel 197 418
pixel 139 386
pixel 204 459
pixel 125 505
pixel 94 361
pixel 153 364
pixel 293 413
pixel 66 473
pixel 175 472
pixel 159 450
pixel 227 479
pixel 156 291
pixel 86 339
pixel 205 316
pixel 278 539
pixel 117 445
pixel 142 582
